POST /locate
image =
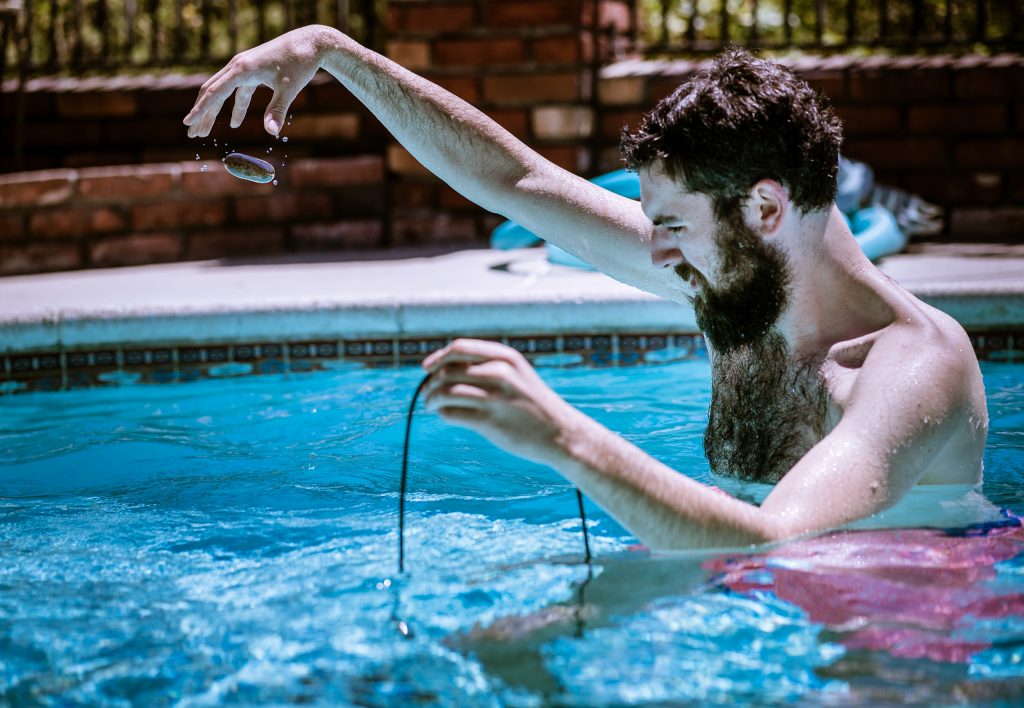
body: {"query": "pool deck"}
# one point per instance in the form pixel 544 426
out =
pixel 419 293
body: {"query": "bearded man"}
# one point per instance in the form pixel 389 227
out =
pixel 829 380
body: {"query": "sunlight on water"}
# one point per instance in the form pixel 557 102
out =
pixel 236 542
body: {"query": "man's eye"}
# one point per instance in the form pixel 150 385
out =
pixel 676 229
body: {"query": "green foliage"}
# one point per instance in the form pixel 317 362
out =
pixel 915 26
pixel 59 36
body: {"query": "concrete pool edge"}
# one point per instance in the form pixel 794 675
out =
pixel 416 296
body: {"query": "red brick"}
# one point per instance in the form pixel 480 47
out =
pixel 898 85
pixel 898 154
pixel 478 52
pixel 38 106
pixel 465 87
pixel 39 258
pixel 952 118
pixel 435 17
pixel 139 132
pixel 567 157
pixel 401 161
pixel 986 83
pixel 433 228
pixel 170 215
pixel 830 83
pixel 955 189
pixel 532 13
pixel 216 180
pixel 127 182
pixel 169 102
pixel 414 195
pixel 1015 187
pixel 532 87
pixel 340 234
pixel 75 222
pixel 865 120
pixel 12 226
pixel 360 202
pixel 661 86
pixel 613 123
pixel 236 242
pixel 284 206
pixel 558 50
pixel 451 200
pixel 36 188
pixel 137 249
pixel 328 95
pixel 990 154
pixel 63 134
pixel 988 223
pixel 337 172
pixel 612 14
pixel 95 158
pixel 512 120
pixel 98 104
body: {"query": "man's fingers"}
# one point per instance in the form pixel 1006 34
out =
pixel 458 396
pixel 469 351
pixel 273 119
pixel 243 95
pixel 208 93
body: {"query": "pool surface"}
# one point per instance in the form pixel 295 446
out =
pixel 235 541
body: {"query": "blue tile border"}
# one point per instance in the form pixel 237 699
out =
pixel 107 366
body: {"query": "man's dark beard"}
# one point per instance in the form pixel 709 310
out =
pixel 753 293
pixel 767 409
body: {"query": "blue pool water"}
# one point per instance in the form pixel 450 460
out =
pixel 235 542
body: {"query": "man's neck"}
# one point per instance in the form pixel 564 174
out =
pixel 834 295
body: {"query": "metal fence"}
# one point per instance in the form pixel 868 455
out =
pixel 56 36
pixel 917 26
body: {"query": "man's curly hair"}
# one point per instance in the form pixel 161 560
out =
pixel 737 121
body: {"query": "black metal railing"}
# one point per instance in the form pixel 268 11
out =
pixel 699 26
pixel 74 36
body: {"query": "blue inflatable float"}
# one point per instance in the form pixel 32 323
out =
pixel 874 227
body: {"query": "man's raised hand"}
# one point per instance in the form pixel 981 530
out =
pixel 285 64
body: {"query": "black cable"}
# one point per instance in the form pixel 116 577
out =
pixel 403 626
pixel 405 475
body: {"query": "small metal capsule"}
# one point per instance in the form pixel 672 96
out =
pixel 248 167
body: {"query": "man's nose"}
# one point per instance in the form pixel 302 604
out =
pixel 665 250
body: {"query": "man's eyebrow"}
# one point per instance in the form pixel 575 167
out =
pixel 665 218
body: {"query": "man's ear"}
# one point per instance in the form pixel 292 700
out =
pixel 766 207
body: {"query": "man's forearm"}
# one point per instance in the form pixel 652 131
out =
pixel 665 509
pixel 451 138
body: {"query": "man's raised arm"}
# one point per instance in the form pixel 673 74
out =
pixel 451 138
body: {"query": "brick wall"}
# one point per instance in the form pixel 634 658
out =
pixel 948 129
pixel 68 218
pixel 951 130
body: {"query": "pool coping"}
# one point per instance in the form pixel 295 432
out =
pixel 188 319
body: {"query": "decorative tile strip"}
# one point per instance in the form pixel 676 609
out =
pixel 57 370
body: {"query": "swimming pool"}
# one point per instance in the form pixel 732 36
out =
pixel 235 541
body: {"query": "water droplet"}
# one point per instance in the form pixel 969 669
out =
pixel 274 182
pixel 270 149
pixel 284 139
pixel 197 155
pixel 204 168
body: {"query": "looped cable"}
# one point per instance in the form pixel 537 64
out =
pixel 403 626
